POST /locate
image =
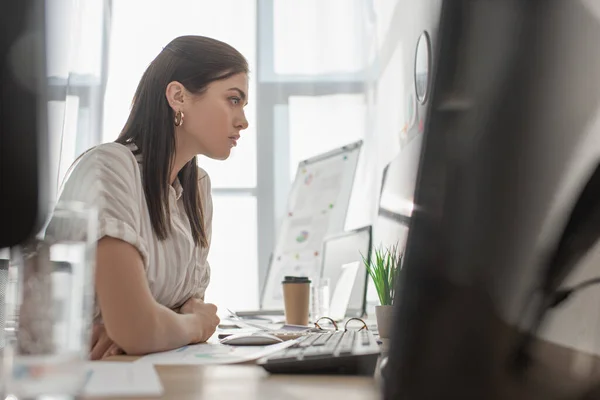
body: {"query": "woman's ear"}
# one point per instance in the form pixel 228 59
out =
pixel 175 93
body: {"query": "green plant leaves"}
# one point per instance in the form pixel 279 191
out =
pixel 383 270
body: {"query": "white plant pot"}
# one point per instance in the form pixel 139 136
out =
pixel 384 316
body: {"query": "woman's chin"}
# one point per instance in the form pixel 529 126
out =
pixel 221 156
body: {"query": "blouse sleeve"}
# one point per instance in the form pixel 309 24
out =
pixel 108 179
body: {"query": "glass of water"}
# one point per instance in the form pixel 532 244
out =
pixel 49 307
pixel 319 299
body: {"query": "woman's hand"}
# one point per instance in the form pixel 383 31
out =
pixel 102 346
pixel 206 317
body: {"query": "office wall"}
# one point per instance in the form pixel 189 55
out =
pixel 395 117
pixel 399 117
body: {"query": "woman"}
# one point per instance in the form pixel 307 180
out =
pixel 154 202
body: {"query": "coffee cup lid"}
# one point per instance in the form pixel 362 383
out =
pixel 295 279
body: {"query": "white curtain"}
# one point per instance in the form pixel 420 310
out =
pixel 76 43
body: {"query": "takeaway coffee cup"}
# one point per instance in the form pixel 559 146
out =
pixel 296 294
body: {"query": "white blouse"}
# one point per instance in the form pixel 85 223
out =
pixel 109 177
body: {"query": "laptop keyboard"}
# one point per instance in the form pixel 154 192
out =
pixel 338 352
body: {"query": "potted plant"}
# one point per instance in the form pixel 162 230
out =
pixel 383 270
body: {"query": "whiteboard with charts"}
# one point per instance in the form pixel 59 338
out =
pixel 317 207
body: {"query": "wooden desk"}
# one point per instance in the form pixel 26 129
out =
pixel 250 381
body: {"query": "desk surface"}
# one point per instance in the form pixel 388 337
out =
pixel 250 381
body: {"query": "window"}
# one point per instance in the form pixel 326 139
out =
pixel 76 37
pixel 315 37
pixel 62 130
pixel 75 31
pixel 318 124
pixel 314 68
pixel 233 253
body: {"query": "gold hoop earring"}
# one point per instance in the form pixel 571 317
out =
pixel 178 118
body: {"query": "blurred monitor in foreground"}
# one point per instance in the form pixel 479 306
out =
pixel 23 123
pixel 506 205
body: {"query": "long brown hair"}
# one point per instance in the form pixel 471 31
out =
pixel 195 62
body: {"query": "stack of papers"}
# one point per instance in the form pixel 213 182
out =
pixel 107 379
pixel 211 354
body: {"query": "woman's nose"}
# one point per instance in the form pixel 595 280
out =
pixel 242 122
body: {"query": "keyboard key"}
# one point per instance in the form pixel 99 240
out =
pixel 308 340
pixel 294 352
pixel 303 339
pixel 317 352
pixel 288 355
pixel 335 340
pixel 322 339
pixel 347 343
pixel 365 338
pixel 281 357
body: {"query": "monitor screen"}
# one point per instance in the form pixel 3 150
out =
pixel 23 123
pixel 396 202
pixel 342 249
pixel 510 140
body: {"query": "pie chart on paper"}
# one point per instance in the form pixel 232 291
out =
pixel 302 237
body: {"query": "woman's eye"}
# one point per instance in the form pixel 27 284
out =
pixel 235 100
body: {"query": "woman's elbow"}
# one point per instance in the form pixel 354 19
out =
pixel 133 339
pixel 134 347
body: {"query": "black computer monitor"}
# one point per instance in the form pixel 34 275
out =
pixel 24 176
pixel 506 202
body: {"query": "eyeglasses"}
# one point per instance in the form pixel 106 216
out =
pixel 319 328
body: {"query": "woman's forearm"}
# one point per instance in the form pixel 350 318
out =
pixel 133 319
pixel 170 330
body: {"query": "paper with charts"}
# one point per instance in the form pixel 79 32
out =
pixel 123 379
pixel 212 353
pixel 317 206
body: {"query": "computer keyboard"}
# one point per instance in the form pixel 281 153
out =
pixel 339 352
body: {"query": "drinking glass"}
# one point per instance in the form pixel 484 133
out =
pixel 320 299
pixel 49 307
